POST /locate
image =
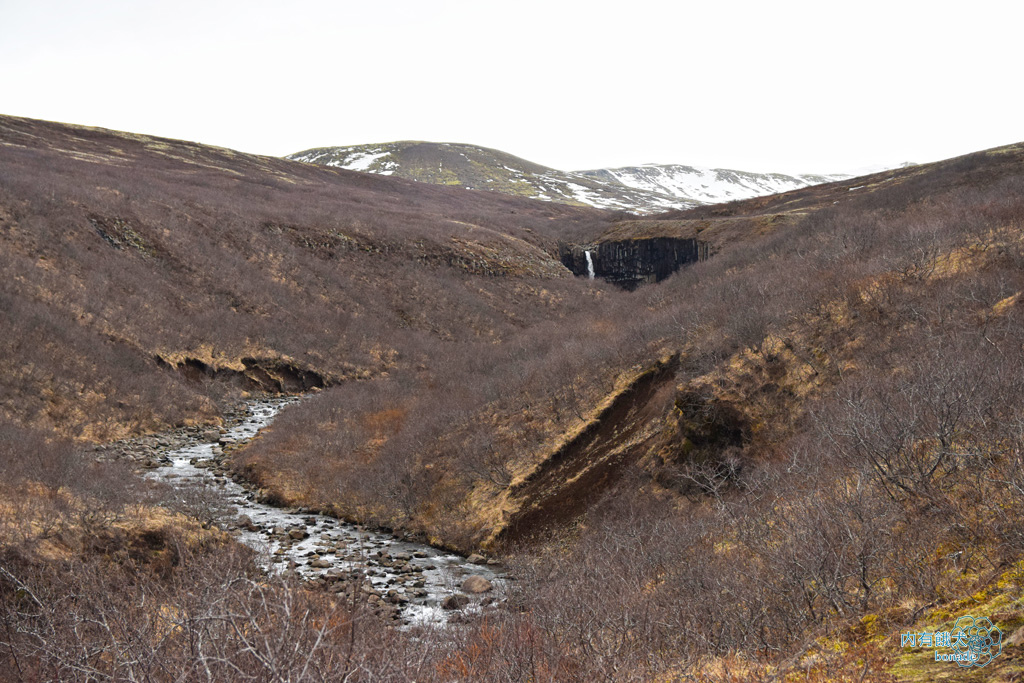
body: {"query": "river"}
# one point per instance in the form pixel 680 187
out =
pixel 415 579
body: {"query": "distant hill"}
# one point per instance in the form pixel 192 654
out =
pixel 480 168
pixel 706 185
pixel 639 189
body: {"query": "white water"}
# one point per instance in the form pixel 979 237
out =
pixel 344 546
pixel 590 265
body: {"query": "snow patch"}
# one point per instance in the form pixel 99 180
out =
pixel 361 161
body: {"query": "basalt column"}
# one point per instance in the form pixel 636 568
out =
pixel 631 263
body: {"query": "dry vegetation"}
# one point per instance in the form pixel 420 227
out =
pixel 835 456
pixel 121 251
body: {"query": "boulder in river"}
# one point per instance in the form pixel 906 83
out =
pixel 455 601
pixel 476 584
pixel 476 558
pixel 245 522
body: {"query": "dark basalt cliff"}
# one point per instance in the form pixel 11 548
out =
pixel 631 263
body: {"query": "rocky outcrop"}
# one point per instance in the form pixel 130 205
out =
pixel 631 263
pixel 271 375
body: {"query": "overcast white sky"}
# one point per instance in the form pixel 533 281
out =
pixel 767 86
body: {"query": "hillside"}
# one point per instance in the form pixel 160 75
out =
pixel 642 189
pixel 274 266
pixel 799 442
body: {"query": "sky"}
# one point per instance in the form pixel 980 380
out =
pixel 762 86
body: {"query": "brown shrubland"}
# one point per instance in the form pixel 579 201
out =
pixel 844 444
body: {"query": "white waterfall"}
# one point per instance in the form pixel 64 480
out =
pixel 590 265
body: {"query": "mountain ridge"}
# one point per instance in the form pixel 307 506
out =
pixel 644 189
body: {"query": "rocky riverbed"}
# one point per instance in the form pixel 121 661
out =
pixel 411 582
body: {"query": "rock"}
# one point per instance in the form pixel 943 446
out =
pixel 455 601
pixel 244 522
pixel 396 598
pixel 476 558
pixel 297 534
pixel 476 584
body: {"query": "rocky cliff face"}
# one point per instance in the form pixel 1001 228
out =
pixel 631 263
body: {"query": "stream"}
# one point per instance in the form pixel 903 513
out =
pixel 418 581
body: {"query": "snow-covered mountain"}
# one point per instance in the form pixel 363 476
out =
pixel 706 185
pixel 480 168
pixel 640 189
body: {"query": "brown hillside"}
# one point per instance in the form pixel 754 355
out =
pixel 125 255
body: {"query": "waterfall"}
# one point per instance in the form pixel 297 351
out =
pixel 590 265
